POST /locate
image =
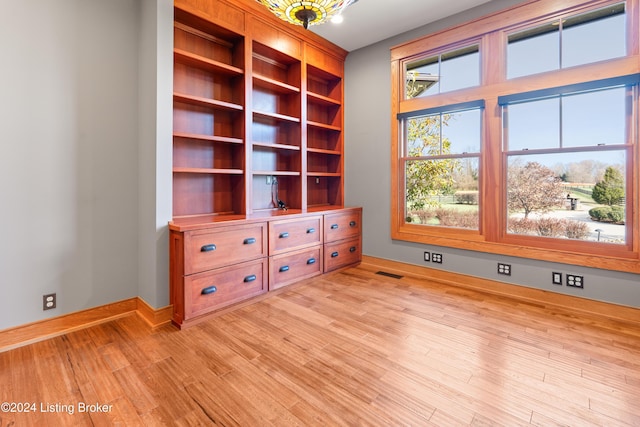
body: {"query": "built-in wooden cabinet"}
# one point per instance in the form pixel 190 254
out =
pixel 257 155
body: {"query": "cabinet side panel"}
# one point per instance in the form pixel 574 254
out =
pixel 176 275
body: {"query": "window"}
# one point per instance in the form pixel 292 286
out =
pixel 441 164
pixel 555 172
pixel 457 69
pixel 524 141
pixel 566 42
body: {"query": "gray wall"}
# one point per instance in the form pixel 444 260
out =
pixel 83 168
pixel 368 169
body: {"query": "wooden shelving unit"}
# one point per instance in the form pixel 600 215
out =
pixel 258 120
pixel 209 118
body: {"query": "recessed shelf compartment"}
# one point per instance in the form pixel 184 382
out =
pixel 204 156
pixel 201 194
pixel 319 138
pixel 322 84
pixel 323 114
pixel 275 159
pixel 324 163
pixel 272 65
pixel 206 121
pixel 266 130
pixel 204 80
pixel 198 41
pixel 287 185
pixel 324 191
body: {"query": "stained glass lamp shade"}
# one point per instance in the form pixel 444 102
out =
pixel 305 13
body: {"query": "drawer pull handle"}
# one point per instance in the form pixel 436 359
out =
pixel 334 226
pixel 249 240
pixel 352 249
pixel 284 235
pixel 250 278
pixel 334 254
pixel 311 261
pixel 311 230
pixel 352 224
pixel 208 248
pixel 284 268
pixel 209 290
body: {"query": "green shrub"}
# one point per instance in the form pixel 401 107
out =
pixel 466 197
pixel 599 214
pixel 614 214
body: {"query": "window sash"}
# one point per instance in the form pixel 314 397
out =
pixel 534 95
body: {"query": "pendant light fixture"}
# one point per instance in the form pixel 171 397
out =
pixel 305 13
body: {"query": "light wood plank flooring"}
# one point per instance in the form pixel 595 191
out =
pixel 351 348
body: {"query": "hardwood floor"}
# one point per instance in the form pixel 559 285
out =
pixel 351 348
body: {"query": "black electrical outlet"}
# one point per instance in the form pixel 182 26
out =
pixel 575 281
pixel 504 269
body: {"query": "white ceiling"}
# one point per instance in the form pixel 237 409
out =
pixel 370 21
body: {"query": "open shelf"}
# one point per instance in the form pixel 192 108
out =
pixel 324 163
pixel 205 121
pixel 275 159
pixel 203 154
pixel 324 191
pixel 274 145
pixel 213 138
pixel 196 39
pixel 267 116
pixel 204 194
pixel 271 64
pixel 207 170
pixel 322 138
pixel 274 85
pixel 289 189
pixel 206 102
pixel 268 129
pixel 196 61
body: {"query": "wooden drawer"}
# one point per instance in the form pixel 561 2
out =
pixel 291 267
pixel 343 225
pixel 342 253
pixel 286 235
pixel 213 248
pixel 211 290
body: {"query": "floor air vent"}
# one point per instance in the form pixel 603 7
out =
pixel 384 273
